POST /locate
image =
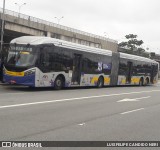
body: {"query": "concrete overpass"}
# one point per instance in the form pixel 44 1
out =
pixel 19 24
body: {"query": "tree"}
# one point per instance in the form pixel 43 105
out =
pixel 133 45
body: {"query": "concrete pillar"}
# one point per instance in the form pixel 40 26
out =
pixel 48 34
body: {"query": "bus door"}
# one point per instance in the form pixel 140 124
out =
pixel 77 65
pixel 129 73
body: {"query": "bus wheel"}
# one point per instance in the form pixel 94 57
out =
pixel 58 84
pixel 100 82
pixel 141 82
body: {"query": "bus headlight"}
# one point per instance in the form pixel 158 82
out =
pixel 29 72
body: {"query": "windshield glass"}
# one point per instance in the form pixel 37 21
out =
pixel 22 55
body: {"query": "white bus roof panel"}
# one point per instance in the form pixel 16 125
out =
pixel 138 58
pixel 36 40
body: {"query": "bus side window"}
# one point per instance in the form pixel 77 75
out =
pixel 44 60
pixel 41 59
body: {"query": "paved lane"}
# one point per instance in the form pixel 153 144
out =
pixel 80 114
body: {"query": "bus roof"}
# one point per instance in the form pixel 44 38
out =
pixel 38 40
pixel 135 57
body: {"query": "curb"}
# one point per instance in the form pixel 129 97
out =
pixel 2 83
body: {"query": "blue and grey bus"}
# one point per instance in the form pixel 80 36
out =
pixel 47 62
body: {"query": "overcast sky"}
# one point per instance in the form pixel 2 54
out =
pixel 111 18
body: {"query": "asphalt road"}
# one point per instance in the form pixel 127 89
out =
pixel 129 113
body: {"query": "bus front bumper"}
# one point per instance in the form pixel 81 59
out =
pixel 25 80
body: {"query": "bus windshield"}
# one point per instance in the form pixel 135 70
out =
pixel 22 56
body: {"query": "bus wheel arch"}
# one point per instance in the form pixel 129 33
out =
pixel 100 82
pixel 141 81
pixel 59 82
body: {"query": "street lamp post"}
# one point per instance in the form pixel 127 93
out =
pixel 106 35
pixel 2 32
pixel 19 7
pixel 58 19
pixel 1 47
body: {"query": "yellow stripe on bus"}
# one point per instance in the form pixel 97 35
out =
pixel 94 80
pixel 106 80
pixel 123 81
pixel 135 80
pixel 11 73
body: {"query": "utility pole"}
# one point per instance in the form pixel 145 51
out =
pixel 1 46
pixel 2 32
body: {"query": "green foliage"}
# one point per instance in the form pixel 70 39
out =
pixel 133 45
pixel 122 44
pixel 131 36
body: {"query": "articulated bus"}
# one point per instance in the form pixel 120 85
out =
pixel 47 62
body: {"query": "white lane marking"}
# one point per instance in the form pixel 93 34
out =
pixel 127 112
pixel 72 99
pixel 133 100
pixel 81 124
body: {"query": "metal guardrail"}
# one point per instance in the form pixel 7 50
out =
pixel 37 20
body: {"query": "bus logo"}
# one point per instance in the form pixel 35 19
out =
pixel 6 144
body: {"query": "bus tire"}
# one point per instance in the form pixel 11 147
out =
pixel 58 84
pixel 100 82
pixel 141 82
